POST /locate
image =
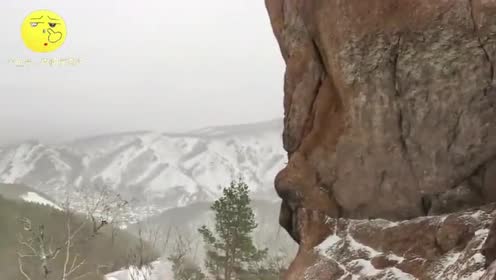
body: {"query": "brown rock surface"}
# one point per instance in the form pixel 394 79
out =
pixel 380 249
pixel 389 113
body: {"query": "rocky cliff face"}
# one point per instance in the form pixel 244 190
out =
pixel 390 114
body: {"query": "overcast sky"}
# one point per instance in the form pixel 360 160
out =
pixel 162 65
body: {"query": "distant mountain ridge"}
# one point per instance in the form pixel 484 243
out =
pixel 161 170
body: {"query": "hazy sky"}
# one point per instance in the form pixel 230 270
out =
pixel 162 65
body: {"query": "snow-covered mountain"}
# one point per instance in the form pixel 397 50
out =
pixel 160 170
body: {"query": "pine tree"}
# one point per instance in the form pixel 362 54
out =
pixel 231 253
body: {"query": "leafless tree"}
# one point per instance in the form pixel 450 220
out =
pixel 101 207
pixel 183 259
pixel 35 246
pixel 138 257
pixel 156 236
pixel 151 239
pixel 40 247
pixel 182 248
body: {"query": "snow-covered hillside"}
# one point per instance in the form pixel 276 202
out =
pixel 161 170
pixel 27 194
pixel 38 199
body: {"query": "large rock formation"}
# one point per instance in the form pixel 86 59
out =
pixel 390 111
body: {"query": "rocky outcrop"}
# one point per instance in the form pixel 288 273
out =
pixel 435 247
pixel 389 111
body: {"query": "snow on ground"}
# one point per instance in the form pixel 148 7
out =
pixel 354 258
pixel 159 270
pixel 36 198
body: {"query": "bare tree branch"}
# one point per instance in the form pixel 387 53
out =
pixel 21 269
pixel 101 207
